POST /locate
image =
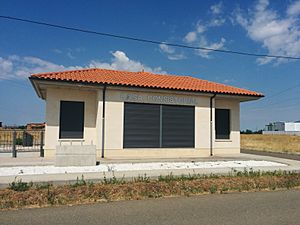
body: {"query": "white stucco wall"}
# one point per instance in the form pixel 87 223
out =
pixel 114 113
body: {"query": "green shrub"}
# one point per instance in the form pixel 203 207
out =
pixel 18 185
pixel 213 189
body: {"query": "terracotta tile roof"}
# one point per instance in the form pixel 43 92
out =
pixel 143 79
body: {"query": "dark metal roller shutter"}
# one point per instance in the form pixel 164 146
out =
pixel 178 126
pixel 141 125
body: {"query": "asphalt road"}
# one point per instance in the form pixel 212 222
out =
pixel 272 154
pixel 280 207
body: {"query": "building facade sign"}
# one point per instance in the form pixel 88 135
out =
pixel 161 99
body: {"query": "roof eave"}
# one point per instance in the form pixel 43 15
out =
pixel 36 87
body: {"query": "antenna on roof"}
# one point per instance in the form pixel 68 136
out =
pixel 143 70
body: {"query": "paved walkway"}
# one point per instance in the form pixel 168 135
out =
pixel 62 178
pixel 24 159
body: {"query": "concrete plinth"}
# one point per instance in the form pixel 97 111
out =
pixel 75 155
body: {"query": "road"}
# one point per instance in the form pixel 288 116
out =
pixel 279 207
pixel 272 154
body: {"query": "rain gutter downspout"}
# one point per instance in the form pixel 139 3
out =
pixel 103 120
pixel 211 124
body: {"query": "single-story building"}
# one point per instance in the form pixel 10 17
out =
pixel 140 114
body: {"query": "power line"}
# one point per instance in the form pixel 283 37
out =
pixel 131 38
pixel 279 92
pixel 275 106
pixel 284 90
pixel 275 103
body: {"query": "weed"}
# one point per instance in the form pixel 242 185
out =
pixel 79 182
pixel 213 189
pixel 43 186
pixel 18 185
pixel 113 180
pixel 140 178
pixel 50 196
pixel 167 178
pixel 224 189
pixel 104 194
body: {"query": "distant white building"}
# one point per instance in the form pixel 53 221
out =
pixel 292 126
pixel 283 128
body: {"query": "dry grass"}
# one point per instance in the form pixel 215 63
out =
pixel 20 195
pixel 271 143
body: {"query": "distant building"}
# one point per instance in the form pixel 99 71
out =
pixel 275 126
pixel 291 128
pixel 283 126
pixel 35 126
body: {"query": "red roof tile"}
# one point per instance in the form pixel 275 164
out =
pixel 143 79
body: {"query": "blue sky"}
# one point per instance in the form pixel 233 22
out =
pixel 254 26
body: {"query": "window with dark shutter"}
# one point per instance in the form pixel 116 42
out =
pixel 71 123
pixel 222 123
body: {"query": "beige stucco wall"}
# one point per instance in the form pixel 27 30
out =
pixel 232 145
pixel 114 107
pixel 53 98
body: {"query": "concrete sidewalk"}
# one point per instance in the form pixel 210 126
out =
pixel 24 159
pixel 62 178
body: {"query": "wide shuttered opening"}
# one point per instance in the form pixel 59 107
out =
pixel 158 126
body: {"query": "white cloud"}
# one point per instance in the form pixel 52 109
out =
pixel 171 52
pixel 279 35
pixel 176 56
pixel 71 53
pixel 217 8
pixel 213 45
pixel 200 28
pixel 121 61
pixel 294 9
pixel 16 67
pixel 166 48
pixel 198 37
pixel 190 37
pixel 6 66
pixel 216 22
